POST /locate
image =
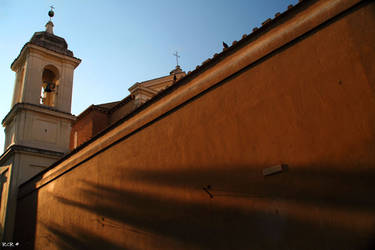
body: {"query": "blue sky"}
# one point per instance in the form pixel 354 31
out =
pixel 123 42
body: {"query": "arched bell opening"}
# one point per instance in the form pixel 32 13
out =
pixel 49 87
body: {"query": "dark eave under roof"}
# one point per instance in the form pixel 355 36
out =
pixel 107 108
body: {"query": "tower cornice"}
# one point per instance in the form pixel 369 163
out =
pixel 36 108
pixel 30 48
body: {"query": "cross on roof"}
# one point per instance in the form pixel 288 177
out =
pixel 177 56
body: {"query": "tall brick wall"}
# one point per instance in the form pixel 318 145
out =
pixel 87 127
pixel 83 130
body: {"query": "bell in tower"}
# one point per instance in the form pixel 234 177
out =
pixel 49 87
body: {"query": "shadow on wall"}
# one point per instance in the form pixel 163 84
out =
pixel 298 209
pixel 26 221
pixel 75 238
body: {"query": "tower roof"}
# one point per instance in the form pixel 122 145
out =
pixel 47 40
pixel 50 41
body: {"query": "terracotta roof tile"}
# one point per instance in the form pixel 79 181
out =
pixel 267 21
pixel 108 105
pixel 209 59
pixel 121 103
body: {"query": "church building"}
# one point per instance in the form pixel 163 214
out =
pixel 269 144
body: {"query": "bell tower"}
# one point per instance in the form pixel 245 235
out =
pixel 37 127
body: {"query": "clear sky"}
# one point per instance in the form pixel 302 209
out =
pixel 124 42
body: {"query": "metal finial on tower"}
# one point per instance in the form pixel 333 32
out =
pixel 51 13
pixel 49 25
pixel 177 56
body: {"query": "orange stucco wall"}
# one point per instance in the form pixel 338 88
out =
pixel 310 105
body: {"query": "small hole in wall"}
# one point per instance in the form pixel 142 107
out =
pixel 45 130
